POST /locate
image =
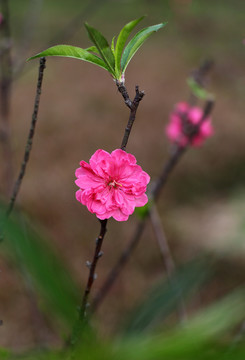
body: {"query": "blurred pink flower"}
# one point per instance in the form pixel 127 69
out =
pixel 111 185
pixel 182 126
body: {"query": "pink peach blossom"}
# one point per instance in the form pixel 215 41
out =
pixel 111 185
pixel 183 121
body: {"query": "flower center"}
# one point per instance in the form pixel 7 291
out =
pixel 114 184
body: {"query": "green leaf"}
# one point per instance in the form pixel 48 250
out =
pixel 72 52
pixel 92 49
pixel 121 41
pixel 113 45
pixel 42 270
pixel 197 90
pixel 103 47
pixel 136 43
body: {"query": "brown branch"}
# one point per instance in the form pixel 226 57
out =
pixel 5 87
pixel 29 139
pixel 115 271
pixel 82 316
pixel 92 267
pixel 133 106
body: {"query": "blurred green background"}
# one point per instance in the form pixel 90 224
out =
pixel 202 207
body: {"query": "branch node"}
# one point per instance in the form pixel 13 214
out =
pixel 101 253
pixel 88 264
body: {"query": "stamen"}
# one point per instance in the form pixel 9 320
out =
pixel 114 183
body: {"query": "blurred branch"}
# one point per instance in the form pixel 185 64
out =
pixel 167 257
pixel 5 95
pixel 200 75
pixel 30 137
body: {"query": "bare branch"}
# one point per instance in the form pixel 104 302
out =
pixel 30 137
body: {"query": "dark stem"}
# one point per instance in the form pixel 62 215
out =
pixel 115 271
pixel 153 195
pixel 81 323
pixel 133 106
pixel 92 267
pixel 5 85
pixel 30 137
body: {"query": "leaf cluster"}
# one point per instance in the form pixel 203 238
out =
pixel 113 58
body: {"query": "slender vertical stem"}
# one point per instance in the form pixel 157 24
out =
pixel 115 271
pixel 167 257
pixel 30 137
pixel 5 95
pixel 92 267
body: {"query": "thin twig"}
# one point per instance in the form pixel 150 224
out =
pixel 30 137
pixel 92 266
pixel 133 106
pixel 166 171
pixel 115 271
pixel 199 75
pixel 153 196
pixel 167 257
pixel 162 241
pixel 6 84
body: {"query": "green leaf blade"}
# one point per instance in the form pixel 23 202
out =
pixel 103 47
pixel 71 52
pixel 113 45
pixel 121 41
pixel 138 40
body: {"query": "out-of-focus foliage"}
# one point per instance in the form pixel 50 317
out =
pixel 168 296
pixel 206 336
pixel 41 268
